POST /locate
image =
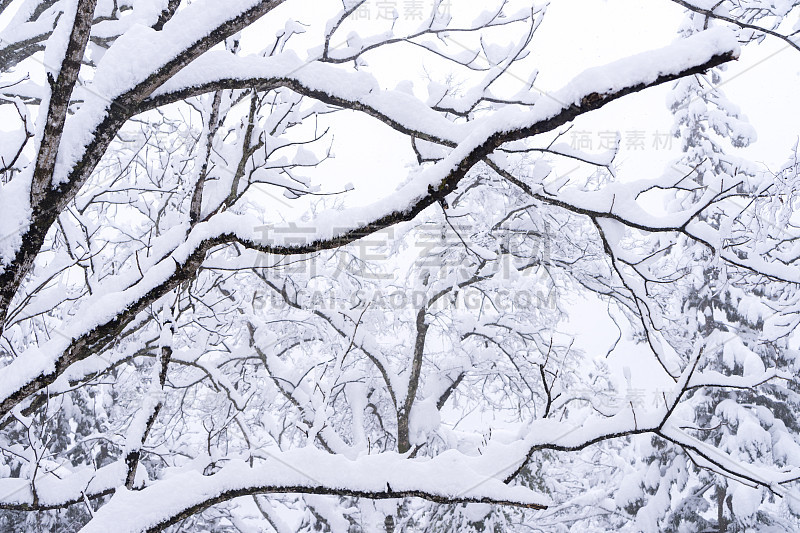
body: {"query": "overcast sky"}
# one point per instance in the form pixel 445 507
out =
pixel 575 35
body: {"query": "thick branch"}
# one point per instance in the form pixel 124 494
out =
pixel 446 479
pixel 51 200
pixel 404 412
pixel 95 340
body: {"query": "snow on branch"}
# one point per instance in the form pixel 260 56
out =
pixel 589 91
pixel 447 478
pixel 59 488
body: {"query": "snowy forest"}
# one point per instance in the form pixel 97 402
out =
pixel 399 266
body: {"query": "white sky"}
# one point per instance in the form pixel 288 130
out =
pixel 575 35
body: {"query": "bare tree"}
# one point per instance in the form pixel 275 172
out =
pixel 138 374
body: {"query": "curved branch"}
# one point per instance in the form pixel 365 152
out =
pixel 445 479
pixel 447 175
pixel 710 13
